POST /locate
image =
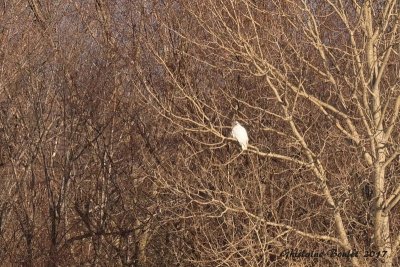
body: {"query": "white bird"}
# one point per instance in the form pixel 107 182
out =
pixel 240 134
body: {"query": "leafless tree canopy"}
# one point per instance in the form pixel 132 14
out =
pixel 115 120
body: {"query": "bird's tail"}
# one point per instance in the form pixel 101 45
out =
pixel 244 146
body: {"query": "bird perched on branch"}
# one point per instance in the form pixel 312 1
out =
pixel 240 134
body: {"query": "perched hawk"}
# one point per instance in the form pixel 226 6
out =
pixel 240 134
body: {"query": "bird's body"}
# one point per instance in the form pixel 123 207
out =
pixel 240 134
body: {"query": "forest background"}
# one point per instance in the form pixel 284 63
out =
pixel 115 120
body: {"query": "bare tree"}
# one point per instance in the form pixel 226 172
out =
pixel 319 78
pixel 115 121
